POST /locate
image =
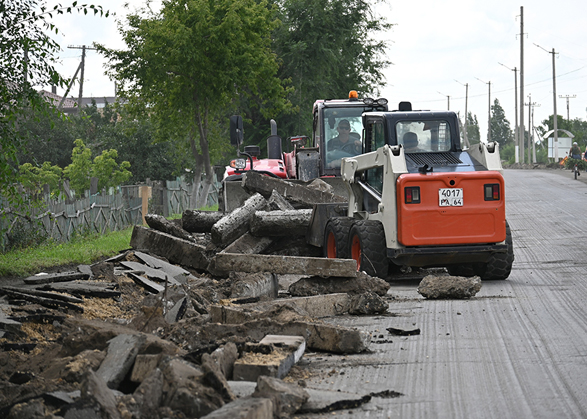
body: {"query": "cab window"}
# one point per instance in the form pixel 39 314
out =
pixel 423 136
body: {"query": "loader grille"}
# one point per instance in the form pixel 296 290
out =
pixel 433 159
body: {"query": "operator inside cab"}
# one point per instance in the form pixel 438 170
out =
pixel 344 141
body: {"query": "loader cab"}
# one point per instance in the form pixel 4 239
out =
pixel 330 120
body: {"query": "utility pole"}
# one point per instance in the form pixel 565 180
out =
pixel 466 114
pixel 568 97
pixel 522 133
pixel 447 101
pixel 516 130
pixel 531 106
pixel 554 101
pixel 488 110
pixel 81 79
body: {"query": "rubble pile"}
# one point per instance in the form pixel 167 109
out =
pixel 170 327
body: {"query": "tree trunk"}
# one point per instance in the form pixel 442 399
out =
pixel 197 171
pixel 202 198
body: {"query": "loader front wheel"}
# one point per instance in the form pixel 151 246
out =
pixel 368 248
pixel 336 237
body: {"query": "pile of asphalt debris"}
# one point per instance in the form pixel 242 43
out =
pixel 206 316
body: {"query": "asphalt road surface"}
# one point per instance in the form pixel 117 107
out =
pixel 516 350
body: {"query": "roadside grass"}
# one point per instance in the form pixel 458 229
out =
pixel 85 249
pixel 81 250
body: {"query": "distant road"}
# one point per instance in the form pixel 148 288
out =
pixel 516 350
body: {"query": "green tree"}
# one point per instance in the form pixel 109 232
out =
pixel 27 58
pixel 191 62
pixel 108 171
pixel 32 178
pixel 473 133
pixel 104 167
pixel 54 136
pixel 500 126
pixel 327 48
pixel 79 171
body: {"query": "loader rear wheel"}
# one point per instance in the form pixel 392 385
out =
pixel 336 237
pixel 499 265
pixel 367 247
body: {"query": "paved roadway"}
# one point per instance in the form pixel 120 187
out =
pixel 516 350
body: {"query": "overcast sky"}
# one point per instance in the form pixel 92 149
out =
pixel 436 48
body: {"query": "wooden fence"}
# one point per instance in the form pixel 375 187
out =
pixel 61 220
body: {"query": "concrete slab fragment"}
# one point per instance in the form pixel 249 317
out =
pixel 279 264
pixel 143 366
pixel 175 250
pixel 247 285
pixel 299 195
pixel 281 223
pixel 122 351
pixel 248 244
pixel 233 225
pixel 151 286
pixel 316 307
pixel 56 277
pixel 247 408
pixel 287 351
pixel 319 336
pixel 151 273
pixel 177 272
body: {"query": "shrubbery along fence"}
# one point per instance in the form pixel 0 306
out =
pixel 61 219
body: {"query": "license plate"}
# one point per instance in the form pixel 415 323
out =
pixel 450 197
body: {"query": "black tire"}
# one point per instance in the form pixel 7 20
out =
pixel 499 266
pixel 336 237
pixel 367 246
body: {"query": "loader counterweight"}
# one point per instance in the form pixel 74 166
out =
pixel 474 220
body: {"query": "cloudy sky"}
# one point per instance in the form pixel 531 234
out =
pixel 436 48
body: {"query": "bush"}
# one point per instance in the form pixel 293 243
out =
pixel 569 163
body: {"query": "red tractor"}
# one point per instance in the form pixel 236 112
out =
pixel 311 158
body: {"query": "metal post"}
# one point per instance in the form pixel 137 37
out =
pixel 521 132
pixel 516 128
pixel 488 110
pixel 567 97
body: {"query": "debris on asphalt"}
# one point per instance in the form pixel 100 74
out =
pixel 184 312
pixel 449 287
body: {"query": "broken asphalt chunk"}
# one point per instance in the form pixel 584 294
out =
pixel 158 222
pixel 446 287
pixel 287 398
pixel 281 223
pixel 196 221
pixel 174 249
pixel 235 224
pixel 403 332
pixel 300 196
pixel 122 351
pixel 279 264
pixel 285 351
pixel 56 277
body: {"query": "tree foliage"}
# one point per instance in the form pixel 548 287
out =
pixel 27 58
pixel 473 133
pixel 104 167
pixel 191 62
pixel 32 178
pixel 327 48
pixel 500 126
